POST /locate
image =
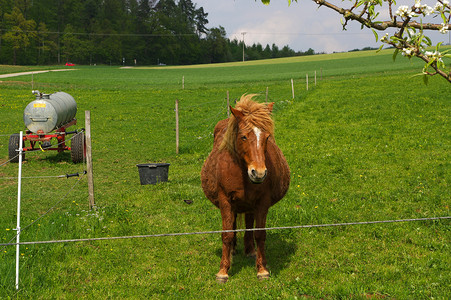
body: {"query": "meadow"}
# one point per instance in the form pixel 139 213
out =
pixel 369 142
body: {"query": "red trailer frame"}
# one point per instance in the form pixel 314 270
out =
pixel 36 140
pixel 60 135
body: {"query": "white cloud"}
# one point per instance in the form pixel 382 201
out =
pixel 301 25
pixel 276 28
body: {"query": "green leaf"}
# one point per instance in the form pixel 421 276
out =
pixel 444 18
pixel 375 34
pixel 395 54
pixel 359 3
pixel 266 2
pixel 425 79
pixel 437 47
pixel 427 65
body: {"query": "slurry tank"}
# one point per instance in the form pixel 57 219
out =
pixel 49 112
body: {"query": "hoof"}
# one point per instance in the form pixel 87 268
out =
pixel 222 278
pixel 263 275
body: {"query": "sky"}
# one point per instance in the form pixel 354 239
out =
pixel 300 26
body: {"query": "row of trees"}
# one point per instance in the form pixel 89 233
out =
pixel 145 32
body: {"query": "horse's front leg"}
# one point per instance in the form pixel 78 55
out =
pixel 260 238
pixel 228 219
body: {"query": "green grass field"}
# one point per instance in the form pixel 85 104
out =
pixel 368 142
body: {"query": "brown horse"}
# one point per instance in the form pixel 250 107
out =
pixel 245 173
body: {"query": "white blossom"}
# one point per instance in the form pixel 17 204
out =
pixel 444 28
pixel 437 56
pixel 405 11
pixel 407 51
pixel 384 38
pixel 439 6
pixel 427 10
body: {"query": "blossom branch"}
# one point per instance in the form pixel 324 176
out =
pixel 349 15
pixel 409 38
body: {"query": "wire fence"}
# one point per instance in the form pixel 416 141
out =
pixel 77 174
pixel 48 210
pixel 223 231
pixel 210 121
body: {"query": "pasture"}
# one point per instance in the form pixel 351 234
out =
pixel 368 142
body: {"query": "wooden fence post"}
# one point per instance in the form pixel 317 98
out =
pixel 306 81
pixel 177 126
pixel 183 82
pixel 89 170
pixel 266 94
pixel 292 88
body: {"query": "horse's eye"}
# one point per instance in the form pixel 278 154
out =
pixel 243 138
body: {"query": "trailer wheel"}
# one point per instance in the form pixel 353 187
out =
pixel 78 148
pixel 13 147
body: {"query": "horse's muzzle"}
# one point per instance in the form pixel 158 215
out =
pixel 257 176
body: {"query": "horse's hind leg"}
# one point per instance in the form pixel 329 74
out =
pixel 249 246
pixel 234 236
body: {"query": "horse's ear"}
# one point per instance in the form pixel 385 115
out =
pixel 270 106
pixel 237 113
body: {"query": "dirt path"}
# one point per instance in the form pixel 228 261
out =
pixel 33 72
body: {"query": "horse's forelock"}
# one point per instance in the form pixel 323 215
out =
pixel 255 115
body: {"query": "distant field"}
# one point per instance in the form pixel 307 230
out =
pixel 368 142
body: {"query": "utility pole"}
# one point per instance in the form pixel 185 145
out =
pixel 243 33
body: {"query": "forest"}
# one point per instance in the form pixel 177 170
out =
pixel 119 32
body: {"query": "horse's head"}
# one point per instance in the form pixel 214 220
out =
pixel 251 142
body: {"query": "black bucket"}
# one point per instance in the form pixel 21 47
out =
pixel 153 173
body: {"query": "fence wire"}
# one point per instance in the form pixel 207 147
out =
pixel 221 231
pixel 44 214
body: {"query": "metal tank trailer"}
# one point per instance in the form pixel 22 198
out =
pixel 47 118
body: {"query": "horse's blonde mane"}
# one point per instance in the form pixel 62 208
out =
pixel 255 115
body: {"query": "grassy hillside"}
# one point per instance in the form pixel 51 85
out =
pixel 369 142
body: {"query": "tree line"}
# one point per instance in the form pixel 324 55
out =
pixel 114 32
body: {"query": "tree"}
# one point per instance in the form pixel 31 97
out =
pixel 45 45
pixel 217 45
pixel 73 47
pixel 201 20
pixel 109 31
pixel 21 31
pixel 410 38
